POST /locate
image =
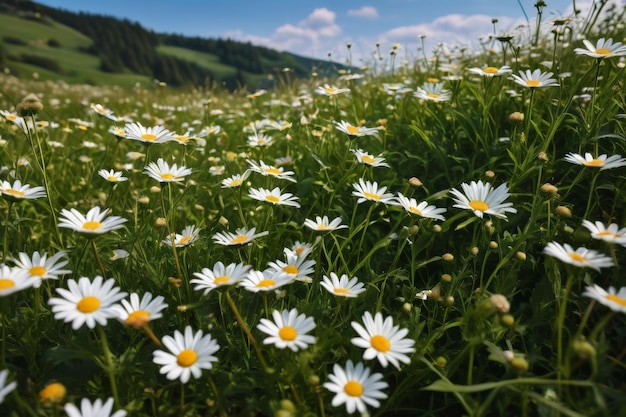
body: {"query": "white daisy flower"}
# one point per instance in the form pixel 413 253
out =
pixel 118 132
pixel 41 267
pixel 156 134
pixel 342 286
pixel 274 197
pixel 482 199
pixel 602 49
pixel 13 280
pixel 219 276
pixel 137 312
pixel 268 280
pixel 296 266
pixel 356 386
pixel 581 257
pixel 5 389
pixel 382 340
pixel 366 190
pixel 612 233
pixel 103 111
pixel 422 209
pixel 288 330
pixel 351 130
pixel 535 79
pixel 87 302
pixel 396 89
pixel 163 172
pixel 240 237
pixel 188 354
pixel 330 90
pixel 270 170
pixel 95 222
pixel 322 224
pixel 615 300
pixel 112 175
pixel 236 180
pixel 260 140
pixel 603 162
pixel 368 159
pixel 491 71
pixel 300 249
pixel 18 191
pixel 185 238
pixel 97 409
pixel 433 92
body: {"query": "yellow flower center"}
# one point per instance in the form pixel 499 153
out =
pixel 352 130
pixel 432 80
pixel 88 304
pixel 186 358
pixel 221 279
pixel 148 136
pixel 479 205
pixel 185 239
pixel 92 225
pixel 13 192
pixel 101 110
pixel 341 291
pixel 618 300
pixel 372 196
pixel 290 269
pixel 38 271
pixel 167 176
pixel 112 178
pixel 368 159
pixel 603 51
pixel 578 258
pixel 261 141
pixel 235 183
pixel 490 70
pixel 299 250
pixel 52 393
pixel 266 283
pixel 272 199
pixel 533 83
pixel 11 118
pixel 273 171
pixel 432 95
pixel 607 233
pixel 329 90
pixel 6 283
pixel 288 333
pixel 82 127
pixel 239 239
pixel 414 210
pixel 380 343
pixel 230 154
pixel 593 162
pixel 137 318
pixel 353 388
pixel 182 138
pixel 323 227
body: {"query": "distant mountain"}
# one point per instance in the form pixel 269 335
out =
pixel 91 48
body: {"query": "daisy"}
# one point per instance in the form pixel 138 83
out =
pixel 219 276
pixel 616 301
pixel 240 237
pixel 13 280
pixel 603 162
pixel 94 223
pixel 269 170
pixel 481 198
pixel 268 280
pixel 162 172
pixel 39 266
pixel 236 180
pixel 5 389
pixel 188 354
pixel 366 190
pixel 185 238
pixel 395 88
pixel 274 196
pixel 422 209
pixel 288 330
pixel 118 132
pixel 602 49
pixel 433 92
pixel 19 191
pixel 612 233
pixel 535 79
pixel 157 134
pixel 491 71
pixel 351 130
pixel 355 386
pixel 136 313
pixel 259 140
pixel 371 160
pixel 296 266
pixel 103 111
pixel 330 90
pixel 322 224
pixel 112 176
pixel 97 409
pixel 342 287
pixel 87 302
pixel 581 257
pixel 299 249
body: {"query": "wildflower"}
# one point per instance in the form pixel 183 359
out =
pixel 611 234
pixel 535 79
pixel 371 160
pixel 355 386
pixel 136 313
pixel 240 237
pixel 157 134
pixel 18 191
pixel 422 209
pixel 268 280
pixel 15 279
pixel 217 170
pixel 162 172
pixel 295 266
pixel 366 190
pixel 581 257
pixel 481 198
pixel 603 162
pixel 118 132
pixel 274 196
pixel 602 49
pixel 331 90
pixel 342 286
pixel 103 111
pixel 219 276
pixel 112 176
pixel 236 180
pixel 39 266
pixel 97 409
pixel 94 223
pixel 395 88
pixel 382 340
pixel 51 394
pixel 615 300
pixel 186 238
pixel 299 249
pixel 491 71
pixel 260 140
pixel 322 224
pixel 272 171
pixel 288 330
pixel 87 302
pixel 351 130
pixel 119 254
pixel 433 92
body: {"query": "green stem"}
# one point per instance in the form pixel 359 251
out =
pixel 5 242
pixel 110 366
pixel 95 252
pixel 562 303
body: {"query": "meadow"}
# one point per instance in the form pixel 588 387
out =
pixel 425 236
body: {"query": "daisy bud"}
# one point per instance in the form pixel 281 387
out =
pixel 519 364
pixel 474 251
pixel 493 244
pixel 500 303
pixel 283 413
pixel 583 348
pixel 542 156
pixel 52 394
pixel 223 221
pixel 407 307
pixel 490 174
pixel 508 355
pixel 507 320
pixel 287 405
pixel 549 189
pixel 441 362
pixel 449 301
pixel 568 229
pixel 414 229
pixel 563 211
pixel 435 293
pixel 143 199
pixel 446 277
pixel 313 380
pixel 29 106
pixel 516 118
pixel 436 228
pixel 160 222
pixel 448 257
pixel 198 207
pixel 155 189
pixel 175 281
pixel 521 255
pixel 415 182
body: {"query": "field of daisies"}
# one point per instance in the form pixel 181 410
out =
pixel 441 236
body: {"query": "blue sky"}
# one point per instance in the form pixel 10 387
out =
pixel 315 28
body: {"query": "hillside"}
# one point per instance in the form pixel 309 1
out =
pixel 57 44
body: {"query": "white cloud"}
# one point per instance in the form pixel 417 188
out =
pixel 367 12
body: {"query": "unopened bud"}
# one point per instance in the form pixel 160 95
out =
pixel 521 255
pixel 29 106
pixel 519 363
pixel 415 182
pixel 474 250
pixel 500 302
pixel 563 211
pixel 52 394
pixel 155 189
pixel 441 362
pixel 448 257
pixel 493 244
pixel 446 277
pixel 160 222
pixel 490 174
pixel 436 228
pixel 516 118
pixel 507 320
